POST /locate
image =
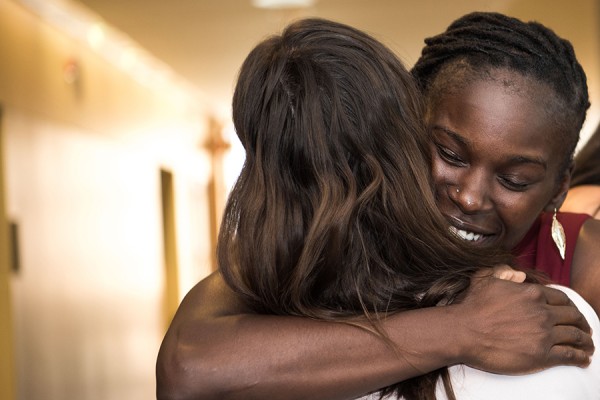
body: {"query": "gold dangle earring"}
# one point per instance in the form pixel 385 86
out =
pixel 558 235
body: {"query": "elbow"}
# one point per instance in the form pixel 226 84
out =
pixel 178 377
pixel 185 372
pixel 171 380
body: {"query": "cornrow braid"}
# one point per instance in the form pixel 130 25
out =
pixel 486 40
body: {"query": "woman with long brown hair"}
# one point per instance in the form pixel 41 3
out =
pixel 328 215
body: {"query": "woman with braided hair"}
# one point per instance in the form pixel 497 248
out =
pixel 506 101
pixel 495 171
pixel 584 193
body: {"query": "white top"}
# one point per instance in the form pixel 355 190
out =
pixel 559 383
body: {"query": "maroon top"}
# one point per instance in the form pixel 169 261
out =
pixel 538 251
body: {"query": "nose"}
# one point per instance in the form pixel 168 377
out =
pixel 471 195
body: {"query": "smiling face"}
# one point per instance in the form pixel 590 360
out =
pixel 496 159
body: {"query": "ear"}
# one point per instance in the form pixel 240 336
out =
pixel 561 190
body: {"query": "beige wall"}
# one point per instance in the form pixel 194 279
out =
pixel 7 374
pixel 405 24
pixel 82 181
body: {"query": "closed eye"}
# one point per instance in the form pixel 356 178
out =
pixel 514 184
pixel 449 156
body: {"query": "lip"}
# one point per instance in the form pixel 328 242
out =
pixel 486 235
pixel 467 226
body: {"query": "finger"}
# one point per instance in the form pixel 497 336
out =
pixel 570 316
pixel 512 275
pixel 519 276
pixel 500 270
pixel 566 355
pixel 554 296
pixel 506 273
pixel 573 337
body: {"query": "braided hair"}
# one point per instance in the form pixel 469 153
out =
pixel 481 42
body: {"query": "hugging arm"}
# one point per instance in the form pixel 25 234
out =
pixel 216 348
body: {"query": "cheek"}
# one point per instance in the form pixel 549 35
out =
pixel 515 213
pixel 526 205
pixel 437 169
pixel 518 213
pixel 441 173
pixel 518 228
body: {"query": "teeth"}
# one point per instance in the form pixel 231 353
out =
pixel 470 236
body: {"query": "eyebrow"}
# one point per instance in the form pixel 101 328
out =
pixel 452 134
pixel 528 160
pixel 517 159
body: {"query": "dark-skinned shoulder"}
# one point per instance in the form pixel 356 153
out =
pixel 585 273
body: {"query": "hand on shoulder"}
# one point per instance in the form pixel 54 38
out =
pixel 513 329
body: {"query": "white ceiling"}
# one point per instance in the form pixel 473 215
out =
pixel 205 41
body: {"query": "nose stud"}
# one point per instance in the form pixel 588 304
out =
pixel 469 201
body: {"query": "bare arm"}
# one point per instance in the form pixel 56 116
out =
pixel 216 349
pixel 583 199
pixel 585 271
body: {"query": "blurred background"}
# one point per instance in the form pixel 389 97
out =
pixel 116 155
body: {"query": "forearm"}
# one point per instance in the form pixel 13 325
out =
pixel 215 348
pixel 250 356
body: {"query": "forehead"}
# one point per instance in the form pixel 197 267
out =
pixel 505 108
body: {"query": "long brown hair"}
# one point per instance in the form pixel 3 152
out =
pixel 333 214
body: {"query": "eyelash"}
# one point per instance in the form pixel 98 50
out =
pixel 449 156
pixel 513 185
pixel 453 159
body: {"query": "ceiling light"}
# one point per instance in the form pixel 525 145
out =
pixel 275 4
